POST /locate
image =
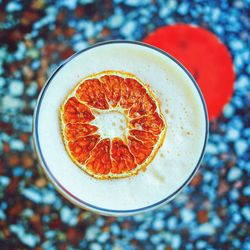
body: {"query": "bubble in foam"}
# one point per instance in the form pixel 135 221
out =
pixel 158 176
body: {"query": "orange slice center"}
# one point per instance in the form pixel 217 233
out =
pixel 111 124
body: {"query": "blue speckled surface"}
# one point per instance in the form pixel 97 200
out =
pixel 213 212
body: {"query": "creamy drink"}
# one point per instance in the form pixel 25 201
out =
pixel 178 144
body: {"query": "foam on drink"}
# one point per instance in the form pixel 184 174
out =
pixel 181 106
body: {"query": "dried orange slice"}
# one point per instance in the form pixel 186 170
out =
pixel 103 156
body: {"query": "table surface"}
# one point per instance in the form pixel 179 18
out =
pixel 213 212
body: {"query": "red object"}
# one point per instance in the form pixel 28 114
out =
pixel 205 57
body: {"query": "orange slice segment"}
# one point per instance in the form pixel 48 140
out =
pixel 111 85
pixel 91 92
pixel 144 136
pixel 131 92
pixel 139 149
pixel 152 123
pixel 80 149
pixel 122 159
pixel 99 162
pixel 74 112
pixel 146 106
pixel 73 131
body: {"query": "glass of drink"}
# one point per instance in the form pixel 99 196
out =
pixel 120 128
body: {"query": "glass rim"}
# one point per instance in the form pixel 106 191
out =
pixel 67 194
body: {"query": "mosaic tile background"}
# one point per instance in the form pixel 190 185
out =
pixel 211 213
